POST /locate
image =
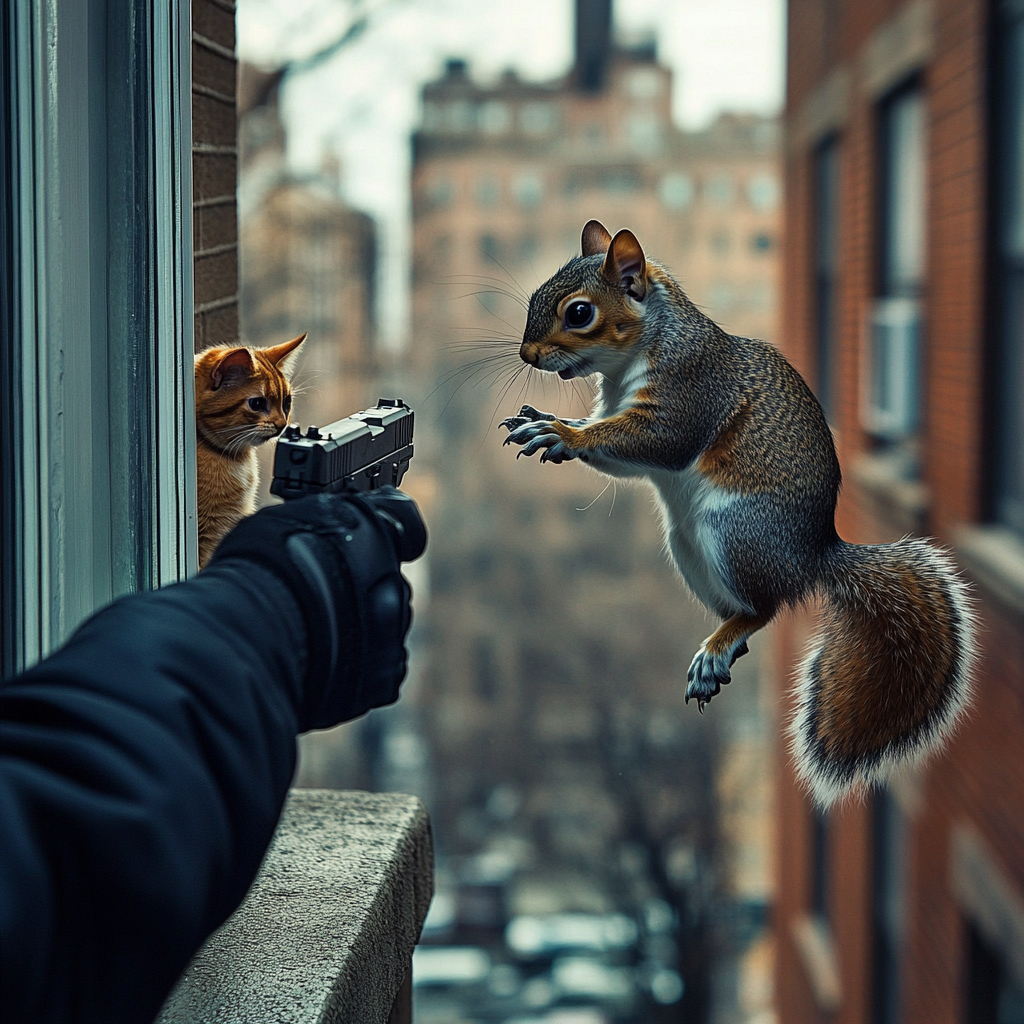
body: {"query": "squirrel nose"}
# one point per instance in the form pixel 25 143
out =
pixel 528 353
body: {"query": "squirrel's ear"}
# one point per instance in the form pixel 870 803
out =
pixel 595 238
pixel 232 368
pixel 284 356
pixel 625 265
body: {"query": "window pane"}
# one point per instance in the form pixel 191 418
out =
pixel 1009 272
pixel 904 199
pixel 826 258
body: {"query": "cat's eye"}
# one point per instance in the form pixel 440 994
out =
pixel 287 404
pixel 258 404
pixel 579 314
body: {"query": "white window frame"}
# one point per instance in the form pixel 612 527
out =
pixel 99 497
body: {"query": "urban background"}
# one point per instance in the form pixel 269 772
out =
pixel 604 853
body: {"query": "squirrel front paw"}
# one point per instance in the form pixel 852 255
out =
pixel 539 436
pixel 709 672
pixel 527 414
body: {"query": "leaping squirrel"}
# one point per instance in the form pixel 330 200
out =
pixel 741 457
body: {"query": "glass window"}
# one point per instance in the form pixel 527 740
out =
pixel 96 352
pixel 677 191
pixel 1008 277
pixel 826 264
pixel 763 191
pixel 889 905
pixel 891 388
pixel 819 865
pixel 495 118
pixel 903 193
pixel 528 189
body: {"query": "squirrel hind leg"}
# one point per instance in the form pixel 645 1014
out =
pixel 709 670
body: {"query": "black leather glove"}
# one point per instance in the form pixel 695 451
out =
pixel 340 555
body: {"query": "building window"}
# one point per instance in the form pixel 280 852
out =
pixel 1008 276
pixel 991 994
pixel 495 118
pixel 890 852
pixel 763 192
pixel 891 390
pixel 826 265
pixel 721 243
pixel 98 415
pixel 677 191
pixel 819 865
pixel 490 249
pixel 528 189
pixel 762 243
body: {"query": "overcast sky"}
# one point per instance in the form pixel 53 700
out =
pixel 364 102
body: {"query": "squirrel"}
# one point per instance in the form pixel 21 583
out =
pixel 743 463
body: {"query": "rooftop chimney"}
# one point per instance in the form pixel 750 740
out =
pixel 593 43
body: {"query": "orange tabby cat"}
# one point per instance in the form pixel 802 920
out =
pixel 243 398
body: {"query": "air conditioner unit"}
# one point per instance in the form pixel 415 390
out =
pixel 890 389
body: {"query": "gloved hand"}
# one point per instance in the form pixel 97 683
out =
pixel 340 555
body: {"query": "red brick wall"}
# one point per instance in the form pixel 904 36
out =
pixel 214 172
pixel 980 779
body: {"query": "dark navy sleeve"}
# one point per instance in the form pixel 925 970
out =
pixel 144 767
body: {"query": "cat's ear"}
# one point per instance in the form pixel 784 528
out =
pixel 625 264
pixel 596 238
pixel 284 356
pixel 233 368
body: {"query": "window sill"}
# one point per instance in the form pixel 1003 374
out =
pixel 900 501
pixel 994 557
pixel 813 939
pixel 327 930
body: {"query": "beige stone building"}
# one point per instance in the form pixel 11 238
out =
pixel 558 635
pixel 307 262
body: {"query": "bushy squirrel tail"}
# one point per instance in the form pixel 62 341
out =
pixel 888 675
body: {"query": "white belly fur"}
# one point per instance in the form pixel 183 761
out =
pixel 687 499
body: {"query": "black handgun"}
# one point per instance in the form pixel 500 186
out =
pixel 365 450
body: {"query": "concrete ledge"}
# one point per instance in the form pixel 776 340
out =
pixel 994 556
pixel 327 930
pixel 899 501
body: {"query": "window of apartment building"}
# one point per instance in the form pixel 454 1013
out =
pixel 528 189
pixel 763 191
pixel 819 865
pixel 891 390
pixel 890 854
pixel 826 267
pixel 677 191
pixel 96 291
pixel 1008 269
pixel 992 994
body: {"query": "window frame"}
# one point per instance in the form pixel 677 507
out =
pixel 99 432
pixel 1003 499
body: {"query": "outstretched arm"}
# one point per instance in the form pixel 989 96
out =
pixel 144 767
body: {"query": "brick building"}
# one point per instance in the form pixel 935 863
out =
pixel 904 249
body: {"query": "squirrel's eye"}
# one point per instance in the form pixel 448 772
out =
pixel 258 404
pixel 579 314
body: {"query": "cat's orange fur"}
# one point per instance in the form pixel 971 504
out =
pixel 243 398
